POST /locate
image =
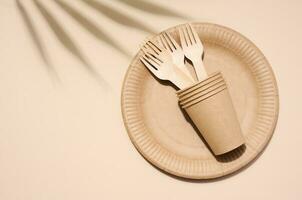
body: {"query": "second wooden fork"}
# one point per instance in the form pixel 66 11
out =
pixel 160 63
pixel 193 49
pixel 178 57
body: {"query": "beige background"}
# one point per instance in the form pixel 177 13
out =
pixel 61 130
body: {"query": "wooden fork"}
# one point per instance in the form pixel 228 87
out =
pixel 178 56
pixel 159 61
pixel 193 49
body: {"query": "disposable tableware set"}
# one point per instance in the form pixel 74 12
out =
pixel 221 111
pixel 206 100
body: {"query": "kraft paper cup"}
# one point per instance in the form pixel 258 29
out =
pixel 210 107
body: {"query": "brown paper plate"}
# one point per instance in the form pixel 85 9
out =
pixel 163 133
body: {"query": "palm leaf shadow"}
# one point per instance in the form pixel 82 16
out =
pixel 92 28
pixel 65 40
pixel 152 8
pixel 117 16
pixel 35 38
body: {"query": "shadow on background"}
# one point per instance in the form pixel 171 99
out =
pixel 36 39
pixel 152 8
pixel 60 33
pixel 91 27
pixel 98 32
pixel 66 41
pixel 117 16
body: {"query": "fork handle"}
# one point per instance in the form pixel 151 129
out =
pixel 200 70
pixel 180 79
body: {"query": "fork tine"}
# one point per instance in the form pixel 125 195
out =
pixel 154 58
pixel 144 49
pixel 164 43
pixel 153 46
pixel 186 36
pixel 147 50
pixel 190 34
pixel 182 38
pixel 149 66
pixel 195 35
pixel 173 41
pixel 144 42
pixel 152 62
pixel 172 47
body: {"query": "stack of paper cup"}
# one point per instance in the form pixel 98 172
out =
pixel 210 107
